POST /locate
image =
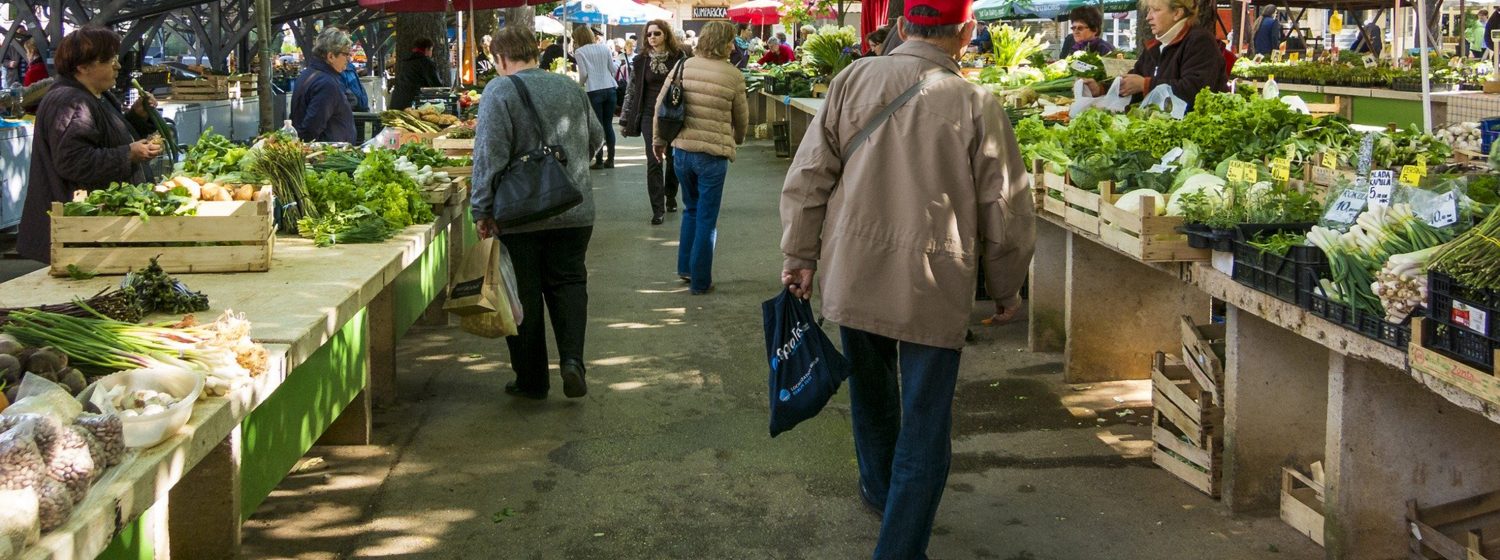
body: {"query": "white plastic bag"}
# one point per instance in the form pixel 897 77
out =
pixel 1162 97
pixel 1111 101
pixel 1296 104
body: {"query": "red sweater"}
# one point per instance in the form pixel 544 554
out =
pixel 782 55
pixel 35 72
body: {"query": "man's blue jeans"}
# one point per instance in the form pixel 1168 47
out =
pixel 701 177
pixel 901 403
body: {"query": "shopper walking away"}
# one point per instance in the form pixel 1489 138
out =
pixel 713 94
pixel 1267 31
pixel 320 111
pixel 927 192
pixel 1183 56
pixel 83 141
pixel 647 74
pixel 548 256
pixel 36 67
pixel 596 72
pixel 415 71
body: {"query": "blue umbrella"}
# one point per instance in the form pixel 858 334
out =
pixel 601 12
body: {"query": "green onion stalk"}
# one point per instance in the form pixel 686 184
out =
pixel 101 345
pixel 1356 256
pixel 168 135
pixel 1474 257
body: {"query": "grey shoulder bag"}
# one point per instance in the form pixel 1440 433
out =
pixel 535 186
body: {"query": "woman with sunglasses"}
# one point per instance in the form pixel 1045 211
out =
pixel 647 76
pixel 319 110
pixel 1087 21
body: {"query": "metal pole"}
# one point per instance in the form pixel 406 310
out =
pixel 1426 73
pixel 263 32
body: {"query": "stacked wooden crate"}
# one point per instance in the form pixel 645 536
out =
pixel 1187 424
pixel 212 88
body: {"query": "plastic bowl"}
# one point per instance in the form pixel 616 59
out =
pixel 149 430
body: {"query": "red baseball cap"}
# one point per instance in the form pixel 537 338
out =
pixel 950 12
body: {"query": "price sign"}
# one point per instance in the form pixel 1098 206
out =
pixel 1242 172
pixel 1369 61
pixel 1172 156
pixel 1422 163
pixel 1281 169
pixel 1330 161
pixel 1293 57
pixel 1382 184
pixel 1348 206
pixel 1260 58
pixel 1444 210
pixel 1082 67
pixel 1411 175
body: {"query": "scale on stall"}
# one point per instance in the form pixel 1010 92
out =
pixel 440 96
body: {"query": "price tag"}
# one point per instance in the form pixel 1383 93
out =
pixel 1171 156
pixel 1330 161
pixel 1242 172
pixel 1260 58
pixel 1422 163
pixel 1347 208
pixel 1411 175
pixel 1281 169
pixel 1369 61
pixel 1294 57
pixel 1444 210
pixel 1382 184
pixel 1082 67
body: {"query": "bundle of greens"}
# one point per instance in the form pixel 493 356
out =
pixel 152 290
pixel 1356 256
pixel 1014 47
pixel 831 49
pixel 342 160
pixel 1474 257
pixel 213 156
pixel 279 159
pixel 390 192
pixel 126 199
pixel 357 225
pixel 423 155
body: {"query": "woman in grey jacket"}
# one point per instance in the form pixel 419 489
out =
pixel 548 255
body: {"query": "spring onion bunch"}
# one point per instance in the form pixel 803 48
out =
pixel 168 135
pixel 1474 257
pixel 1357 255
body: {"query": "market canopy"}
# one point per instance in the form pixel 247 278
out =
pixel 606 12
pixel 756 12
pixel 989 10
pixel 412 6
pixel 545 24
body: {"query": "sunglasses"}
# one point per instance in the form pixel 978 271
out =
pixel 654 34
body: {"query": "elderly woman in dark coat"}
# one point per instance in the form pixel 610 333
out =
pixel 82 140
pixel 319 110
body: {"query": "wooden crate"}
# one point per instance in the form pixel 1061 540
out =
pixel 1325 177
pixel 1466 529
pixel 243 235
pixel 210 88
pixel 1203 352
pixel 1469 379
pixel 1143 234
pixel 456 172
pixel 439 194
pixel 1078 207
pixel 1199 466
pixel 1177 396
pixel 453 146
pixel 1302 503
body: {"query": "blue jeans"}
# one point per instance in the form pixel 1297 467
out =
pixel 603 101
pixel 901 404
pixel 702 179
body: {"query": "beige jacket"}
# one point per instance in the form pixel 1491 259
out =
pixel 717 114
pixel 898 231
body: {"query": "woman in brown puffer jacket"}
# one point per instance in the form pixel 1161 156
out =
pixel 716 118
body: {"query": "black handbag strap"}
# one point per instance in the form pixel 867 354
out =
pixel 536 118
pixel 674 93
pixel 931 77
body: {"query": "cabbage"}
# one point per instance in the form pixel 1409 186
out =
pixel 1208 183
pixel 1132 201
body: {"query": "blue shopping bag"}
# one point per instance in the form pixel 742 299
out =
pixel 806 369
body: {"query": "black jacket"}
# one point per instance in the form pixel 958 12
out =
pixel 640 100
pixel 1194 62
pixel 81 142
pixel 414 72
pixel 320 112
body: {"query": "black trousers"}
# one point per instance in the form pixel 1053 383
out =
pixel 550 270
pixel 661 179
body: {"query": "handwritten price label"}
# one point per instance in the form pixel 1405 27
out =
pixel 1294 57
pixel 1369 61
pixel 1242 172
pixel 1347 208
pixel 1281 169
pixel 1082 67
pixel 1382 184
pixel 1411 175
pixel 1444 211
pixel 1330 161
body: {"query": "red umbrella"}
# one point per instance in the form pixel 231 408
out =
pixel 442 5
pixel 756 12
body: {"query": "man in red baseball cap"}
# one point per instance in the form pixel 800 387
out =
pixel 930 186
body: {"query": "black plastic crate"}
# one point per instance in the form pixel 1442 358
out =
pixel 1396 335
pixel 1278 275
pixel 1464 320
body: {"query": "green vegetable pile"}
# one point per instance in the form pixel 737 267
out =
pixel 127 199
pixel 369 207
pixel 423 155
pixel 213 156
pixel 830 50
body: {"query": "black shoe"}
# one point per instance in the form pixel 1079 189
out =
pixel 574 384
pixel 870 505
pixel 656 220
pixel 514 391
pixel 597 165
pixel 701 292
pixel 671 206
pixel 609 163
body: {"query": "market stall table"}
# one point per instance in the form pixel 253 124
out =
pixel 1297 388
pixel 331 316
